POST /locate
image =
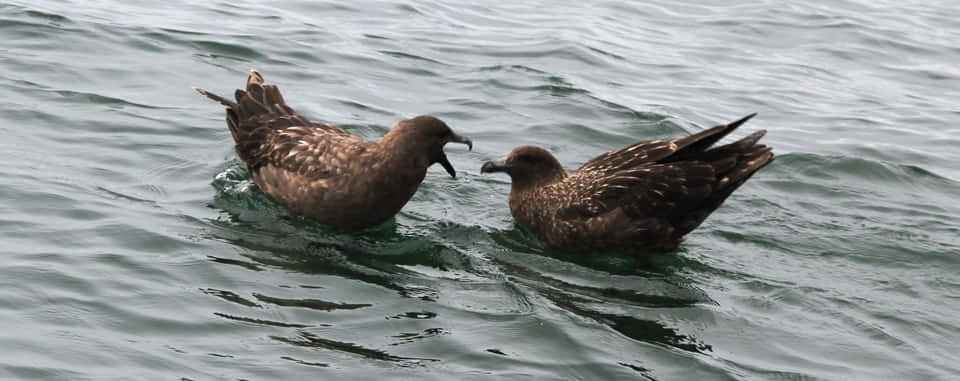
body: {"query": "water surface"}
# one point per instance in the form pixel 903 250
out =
pixel 135 246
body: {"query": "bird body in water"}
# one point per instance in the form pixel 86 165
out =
pixel 322 171
pixel 642 198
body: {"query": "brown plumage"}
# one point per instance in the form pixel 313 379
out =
pixel 642 198
pixel 324 172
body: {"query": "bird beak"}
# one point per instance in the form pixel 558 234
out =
pixel 443 157
pixel 462 140
pixel 446 165
pixel 495 166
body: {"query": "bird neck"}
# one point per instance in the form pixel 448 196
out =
pixel 522 182
pixel 402 152
pixel 398 175
pixel 527 203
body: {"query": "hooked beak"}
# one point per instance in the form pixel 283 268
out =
pixel 495 166
pixel 462 140
pixel 443 157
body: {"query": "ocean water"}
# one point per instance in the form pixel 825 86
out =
pixel 134 245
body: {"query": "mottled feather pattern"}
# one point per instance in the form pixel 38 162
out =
pixel 649 151
pixel 322 171
pixel 643 197
pixel 311 153
pixel 266 129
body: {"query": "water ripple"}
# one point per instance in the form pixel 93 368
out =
pixel 136 246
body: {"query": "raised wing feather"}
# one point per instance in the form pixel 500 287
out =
pixel 632 156
pixel 684 186
pixel 267 131
pixel 653 151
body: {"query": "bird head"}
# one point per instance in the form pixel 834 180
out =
pixel 526 166
pixel 425 136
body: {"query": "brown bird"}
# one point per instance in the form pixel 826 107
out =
pixel 640 199
pixel 324 172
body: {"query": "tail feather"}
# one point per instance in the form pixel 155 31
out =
pixel 704 139
pixel 259 99
pixel 257 110
pixel 733 164
pixel 689 221
pixel 222 100
pixel 749 164
pixel 739 145
pixel 725 157
pixel 694 146
pixel 253 102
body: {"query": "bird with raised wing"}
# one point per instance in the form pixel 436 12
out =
pixel 641 199
pixel 322 171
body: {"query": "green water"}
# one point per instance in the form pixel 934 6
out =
pixel 135 246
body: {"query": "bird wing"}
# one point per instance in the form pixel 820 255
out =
pixel 310 152
pixel 267 130
pixel 681 190
pixel 635 155
pixel 647 190
pixel 653 151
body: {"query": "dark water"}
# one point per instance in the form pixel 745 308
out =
pixel 135 247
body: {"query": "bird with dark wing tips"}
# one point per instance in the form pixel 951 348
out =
pixel 642 198
pixel 324 172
